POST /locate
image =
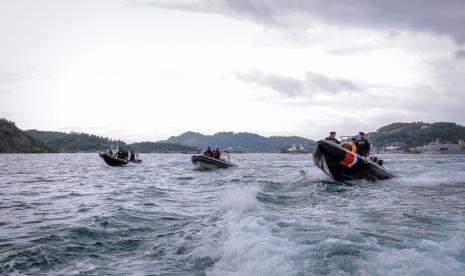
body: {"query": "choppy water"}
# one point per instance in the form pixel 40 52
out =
pixel 273 215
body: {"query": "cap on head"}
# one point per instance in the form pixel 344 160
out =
pixel 332 132
pixel 361 133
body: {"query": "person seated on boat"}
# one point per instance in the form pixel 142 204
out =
pixel 126 154
pixel 110 152
pixel 217 153
pixel 332 137
pixel 208 152
pixel 132 157
pixel 122 154
pixel 363 145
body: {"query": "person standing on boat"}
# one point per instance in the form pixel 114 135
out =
pixel 208 152
pixel 332 137
pixel 217 153
pixel 363 145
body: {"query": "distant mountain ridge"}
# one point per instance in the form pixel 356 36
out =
pixel 14 140
pixel 242 141
pixel 160 147
pixel 83 142
pixel 417 133
pixel 74 142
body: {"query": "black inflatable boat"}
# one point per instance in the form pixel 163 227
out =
pixel 207 163
pixel 113 160
pixel 343 164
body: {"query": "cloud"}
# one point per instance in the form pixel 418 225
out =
pixel 9 77
pixel 460 54
pixel 286 85
pixel 12 75
pixel 431 16
pixel 311 84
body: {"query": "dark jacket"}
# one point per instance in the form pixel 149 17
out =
pixel 208 153
pixel 329 138
pixel 363 147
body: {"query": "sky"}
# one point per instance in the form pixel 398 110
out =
pixel 141 70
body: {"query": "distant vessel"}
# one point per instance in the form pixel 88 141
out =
pixel 443 148
pixel 293 149
pixel 391 148
pixel 237 150
pixel 191 151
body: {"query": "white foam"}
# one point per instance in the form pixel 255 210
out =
pixel 428 258
pixel 240 200
pixel 432 178
pixel 250 246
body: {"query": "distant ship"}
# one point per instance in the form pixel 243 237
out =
pixel 443 148
pixel 395 147
pixel 293 149
pixel 191 152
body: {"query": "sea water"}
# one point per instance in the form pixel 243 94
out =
pixel 275 214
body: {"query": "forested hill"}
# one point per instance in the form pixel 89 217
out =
pixel 160 147
pixel 14 140
pixel 243 141
pixel 417 133
pixel 74 142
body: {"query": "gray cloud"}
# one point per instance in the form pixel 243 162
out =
pixel 432 16
pixel 10 75
pixel 460 54
pixel 285 85
pixel 311 84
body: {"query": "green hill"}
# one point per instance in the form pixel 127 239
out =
pixel 74 142
pixel 249 142
pixel 149 147
pixel 82 142
pixel 14 140
pixel 417 133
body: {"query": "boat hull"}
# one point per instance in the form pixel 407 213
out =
pixel 343 165
pixel 113 161
pixel 207 163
